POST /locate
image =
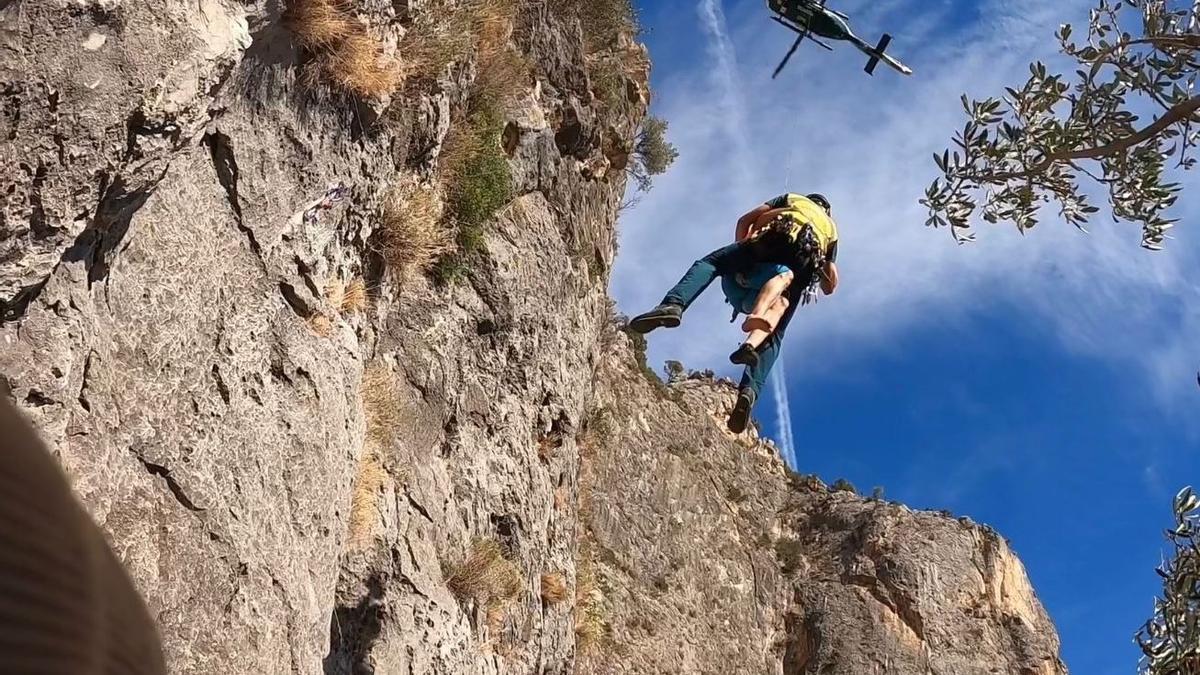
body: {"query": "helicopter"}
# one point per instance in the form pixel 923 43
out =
pixel 811 18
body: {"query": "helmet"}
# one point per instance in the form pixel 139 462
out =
pixel 821 201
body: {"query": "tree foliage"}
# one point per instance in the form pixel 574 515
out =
pixel 1035 145
pixel 653 154
pixel 674 370
pixel 843 485
pixel 1170 640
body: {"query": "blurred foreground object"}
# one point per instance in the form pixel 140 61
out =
pixel 66 604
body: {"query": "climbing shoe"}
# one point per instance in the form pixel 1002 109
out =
pixel 745 356
pixel 740 417
pixel 663 316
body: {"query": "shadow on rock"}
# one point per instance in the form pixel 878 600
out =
pixel 354 631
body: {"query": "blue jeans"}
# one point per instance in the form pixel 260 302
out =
pixel 742 257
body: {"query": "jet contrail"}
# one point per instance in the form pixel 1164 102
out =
pixel 783 413
pixel 726 76
pixel 731 101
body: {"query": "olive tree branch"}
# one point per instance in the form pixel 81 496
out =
pixel 1184 111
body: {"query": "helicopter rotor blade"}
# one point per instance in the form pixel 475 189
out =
pixel 788 56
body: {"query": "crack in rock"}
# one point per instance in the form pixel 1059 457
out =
pixel 172 484
pixel 83 386
pixel 224 162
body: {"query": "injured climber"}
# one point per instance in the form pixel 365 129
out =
pixel 760 296
pixel 783 251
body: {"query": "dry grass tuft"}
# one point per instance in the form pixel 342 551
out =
pixel 335 292
pixel 382 409
pixel 345 54
pixel 320 24
pixel 554 588
pixel 590 625
pixel 436 40
pixel 503 77
pixel 547 445
pixel 447 33
pixel 354 298
pixel 364 500
pixel 503 72
pixel 412 235
pixel 463 143
pixel 343 297
pixel 486 575
pixel 496 613
pixel 491 22
pixel 321 325
pixel 356 65
pixel 382 405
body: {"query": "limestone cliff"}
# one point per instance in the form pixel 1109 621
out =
pixel 301 483
pixel 712 557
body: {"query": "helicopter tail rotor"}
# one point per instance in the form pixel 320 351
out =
pixel 880 53
pixel 880 49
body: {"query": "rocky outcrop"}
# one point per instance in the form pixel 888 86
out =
pixel 713 557
pixel 292 483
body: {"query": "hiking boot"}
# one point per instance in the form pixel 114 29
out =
pixel 740 417
pixel 745 356
pixel 664 316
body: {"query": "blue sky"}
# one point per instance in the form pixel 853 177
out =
pixel 1043 384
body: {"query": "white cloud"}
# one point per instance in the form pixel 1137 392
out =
pixel 866 143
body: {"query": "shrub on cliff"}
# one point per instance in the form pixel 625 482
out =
pixel 477 181
pixel 843 485
pixel 477 176
pixel 653 154
pixel 790 554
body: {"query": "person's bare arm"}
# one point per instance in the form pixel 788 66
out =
pixel 747 221
pixel 829 278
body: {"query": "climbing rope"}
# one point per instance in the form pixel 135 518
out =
pixel 791 156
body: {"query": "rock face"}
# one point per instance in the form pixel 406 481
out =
pixel 293 486
pixel 714 558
